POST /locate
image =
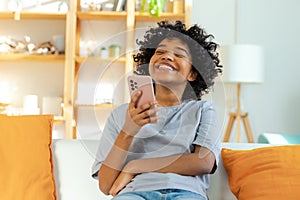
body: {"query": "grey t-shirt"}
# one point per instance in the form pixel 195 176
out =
pixel 179 128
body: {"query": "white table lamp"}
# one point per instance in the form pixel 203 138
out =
pixel 241 64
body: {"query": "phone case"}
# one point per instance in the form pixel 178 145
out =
pixel 143 83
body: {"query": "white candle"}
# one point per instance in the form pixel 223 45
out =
pixel 5 96
pixel 52 105
pixel 30 105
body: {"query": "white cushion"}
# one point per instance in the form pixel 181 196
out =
pixel 72 163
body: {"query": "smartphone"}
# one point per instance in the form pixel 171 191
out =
pixel 143 83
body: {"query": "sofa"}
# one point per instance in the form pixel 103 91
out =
pixel 72 168
pixel 35 166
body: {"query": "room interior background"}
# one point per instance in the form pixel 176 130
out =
pixel 272 105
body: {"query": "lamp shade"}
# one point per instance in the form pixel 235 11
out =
pixel 242 63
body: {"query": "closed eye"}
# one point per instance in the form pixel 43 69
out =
pixel 159 51
pixel 180 55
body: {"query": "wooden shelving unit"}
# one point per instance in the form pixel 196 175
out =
pixel 32 15
pixel 59 119
pixel 72 59
pixel 102 15
pixel 97 59
pixel 130 17
pixel 25 57
pixel 102 105
pixel 21 57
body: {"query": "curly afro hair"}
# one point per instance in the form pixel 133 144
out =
pixel 205 61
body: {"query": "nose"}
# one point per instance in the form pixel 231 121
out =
pixel 168 56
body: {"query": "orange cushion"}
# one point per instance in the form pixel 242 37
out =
pixel 264 173
pixel 26 160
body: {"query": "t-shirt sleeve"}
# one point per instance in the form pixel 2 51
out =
pixel 208 132
pixel 111 130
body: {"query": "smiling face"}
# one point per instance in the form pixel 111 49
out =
pixel 171 64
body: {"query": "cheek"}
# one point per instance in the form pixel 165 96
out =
pixel 151 66
pixel 153 59
pixel 186 66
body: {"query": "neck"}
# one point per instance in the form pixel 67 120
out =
pixel 165 96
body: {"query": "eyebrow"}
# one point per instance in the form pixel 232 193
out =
pixel 179 48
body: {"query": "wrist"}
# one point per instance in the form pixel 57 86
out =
pixel 131 168
pixel 130 130
pixel 125 136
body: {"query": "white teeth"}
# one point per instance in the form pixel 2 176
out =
pixel 165 67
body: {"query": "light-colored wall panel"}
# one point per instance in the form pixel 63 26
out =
pixel 272 105
pixel 216 17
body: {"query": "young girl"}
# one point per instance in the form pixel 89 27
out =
pixel 164 149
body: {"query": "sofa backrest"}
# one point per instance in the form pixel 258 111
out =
pixel 72 170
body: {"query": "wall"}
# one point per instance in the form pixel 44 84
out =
pixel 272 105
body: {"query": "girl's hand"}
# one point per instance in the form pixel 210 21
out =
pixel 123 179
pixel 136 117
pixel 126 175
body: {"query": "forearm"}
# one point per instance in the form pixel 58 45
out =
pixel 136 117
pixel 114 162
pixel 193 164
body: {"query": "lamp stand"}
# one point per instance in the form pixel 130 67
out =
pixel 238 116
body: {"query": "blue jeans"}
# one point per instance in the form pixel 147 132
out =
pixel 164 194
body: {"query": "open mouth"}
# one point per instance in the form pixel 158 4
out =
pixel 166 67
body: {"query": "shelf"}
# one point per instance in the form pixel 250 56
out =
pixel 58 119
pixel 102 105
pixel 144 17
pixel 13 57
pixel 98 59
pixel 102 15
pixel 33 15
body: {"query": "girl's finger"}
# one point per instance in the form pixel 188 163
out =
pixel 134 99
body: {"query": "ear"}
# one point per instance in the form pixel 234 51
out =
pixel 192 76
